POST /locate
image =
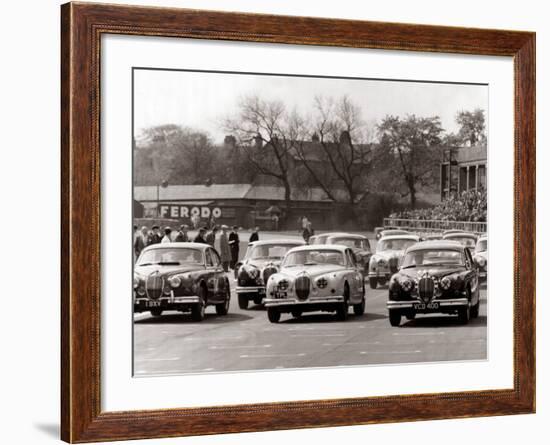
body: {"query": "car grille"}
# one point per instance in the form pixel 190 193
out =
pixel 393 263
pixel 153 286
pixel 426 289
pixel 302 287
pixel 268 271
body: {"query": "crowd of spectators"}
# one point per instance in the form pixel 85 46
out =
pixel 469 205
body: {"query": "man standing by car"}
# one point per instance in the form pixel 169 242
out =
pixel 200 236
pixel 167 235
pixel 211 236
pixel 141 242
pixel 225 252
pixel 234 245
pixel 156 237
pixel 255 235
pixel 182 236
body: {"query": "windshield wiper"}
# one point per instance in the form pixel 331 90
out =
pixel 409 266
pixel 168 263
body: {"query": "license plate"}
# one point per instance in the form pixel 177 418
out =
pixel 261 292
pixel 423 306
pixel 281 295
pixel 152 304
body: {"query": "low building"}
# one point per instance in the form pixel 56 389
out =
pixel 463 168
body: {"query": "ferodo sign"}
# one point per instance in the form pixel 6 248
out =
pixel 187 211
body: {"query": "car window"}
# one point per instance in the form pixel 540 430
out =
pixel 271 251
pixel 469 260
pixel 215 257
pixel 313 257
pixel 209 261
pixel 351 258
pixel 170 255
pixel 394 244
pixel 432 257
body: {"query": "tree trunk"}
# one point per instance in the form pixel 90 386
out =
pixel 412 195
pixel 287 203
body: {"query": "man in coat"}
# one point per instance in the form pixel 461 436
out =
pixel 211 236
pixel 182 236
pixel 255 235
pixel 234 245
pixel 141 242
pixel 200 236
pixel 156 237
pixel 225 251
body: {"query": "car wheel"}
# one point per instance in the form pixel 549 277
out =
pixel 156 312
pixel 223 308
pixel 258 300
pixel 273 315
pixel 296 313
pixel 464 315
pixel 243 302
pixel 198 310
pixel 411 315
pixel 382 281
pixel 359 309
pixel 373 283
pixel 395 318
pixel 474 310
pixel 343 308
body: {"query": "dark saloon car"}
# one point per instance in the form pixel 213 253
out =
pixel 435 277
pixel 262 259
pixel 184 277
pixel 359 244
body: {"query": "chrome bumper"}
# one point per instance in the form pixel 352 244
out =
pixel 171 299
pixel 249 289
pixel 380 274
pixel 392 304
pixel 269 302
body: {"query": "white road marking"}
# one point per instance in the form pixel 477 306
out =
pixel 390 352
pixel 301 354
pixel 238 346
pixel 317 335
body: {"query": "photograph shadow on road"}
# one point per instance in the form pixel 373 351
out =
pixel 186 318
pixel 443 321
pixel 324 318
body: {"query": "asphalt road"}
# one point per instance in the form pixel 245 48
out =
pixel 245 340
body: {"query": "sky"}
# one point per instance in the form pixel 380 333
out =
pixel 202 100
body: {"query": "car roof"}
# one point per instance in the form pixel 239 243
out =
pixel 178 245
pixel 337 247
pixel 403 231
pixel 407 237
pixel 436 244
pixel 298 242
pixel 460 235
pixel 482 238
pixel 347 235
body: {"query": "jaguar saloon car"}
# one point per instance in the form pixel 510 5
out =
pixel 316 278
pixel 185 277
pixel 480 257
pixel 467 239
pixel 262 259
pixel 435 277
pixel 319 239
pixel 358 243
pixel 389 251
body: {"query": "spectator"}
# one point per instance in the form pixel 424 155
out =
pixel 307 232
pixel 255 235
pixel 225 252
pixel 141 241
pixel 211 237
pixel 182 236
pixel 200 238
pixel 156 237
pixel 234 245
pixel 166 238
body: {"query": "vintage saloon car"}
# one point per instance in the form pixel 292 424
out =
pixel 262 259
pixel 358 243
pixel 316 278
pixel 389 250
pixel 467 239
pixel 435 276
pixel 319 239
pixel 184 277
pixel 480 256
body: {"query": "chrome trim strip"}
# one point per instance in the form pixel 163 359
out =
pixel 246 289
pixel 311 300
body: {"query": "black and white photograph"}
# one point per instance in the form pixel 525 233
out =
pixel 299 221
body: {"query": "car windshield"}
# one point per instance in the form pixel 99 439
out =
pixel 170 256
pixel 312 257
pixel 440 257
pixel 356 243
pixel 319 239
pixel 481 246
pixel 394 244
pixel 265 251
pixel 464 240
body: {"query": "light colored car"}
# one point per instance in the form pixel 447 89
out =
pixel 385 262
pixel 480 257
pixel 319 239
pixel 467 239
pixel 262 259
pixel 316 278
pixel 390 231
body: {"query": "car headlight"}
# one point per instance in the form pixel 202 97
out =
pixel 283 284
pixel 481 261
pixel 321 283
pixel 252 272
pixel 136 282
pixel 382 262
pixel 175 281
pixel 406 285
pixel 445 283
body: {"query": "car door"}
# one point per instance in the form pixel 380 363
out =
pixel 217 275
pixel 473 275
pixel 355 276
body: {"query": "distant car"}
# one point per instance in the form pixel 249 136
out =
pixel 480 256
pixel 316 278
pixel 432 237
pixel 358 243
pixel 450 231
pixel 390 231
pixel 262 259
pixel 319 239
pixel 389 250
pixel 435 277
pixel 467 239
pixel 184 277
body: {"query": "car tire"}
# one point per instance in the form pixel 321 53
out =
pixel 474 310
pixel 198 310
pixel 243 302
pixel 382 281
pixel 464 315
pixel 343 309
pixel 296 313
pixel 258 300
pixel 156 312
pixel 410 316
pixel 223 308
pixel 273 315
pixel 395 318
pixel 359 309
pixel 373 283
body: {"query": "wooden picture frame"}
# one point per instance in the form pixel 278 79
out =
pixel 82 26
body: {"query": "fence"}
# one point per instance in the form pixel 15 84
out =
pixel 435 225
